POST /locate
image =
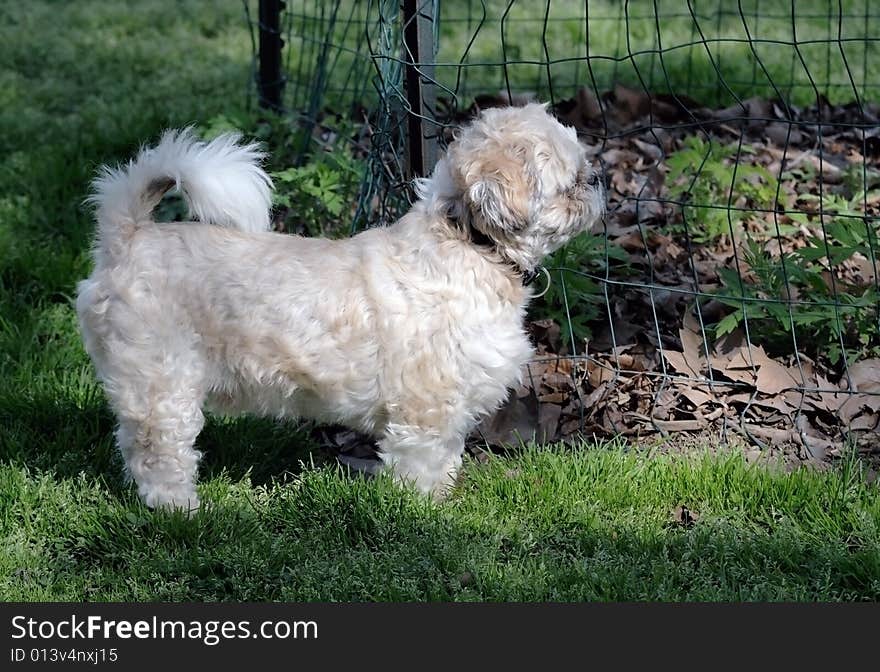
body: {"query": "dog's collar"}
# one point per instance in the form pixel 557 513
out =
pixel 528 277
pixel 479 238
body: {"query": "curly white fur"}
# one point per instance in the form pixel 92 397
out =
pixel 410 333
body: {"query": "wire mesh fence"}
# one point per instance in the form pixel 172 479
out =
pixel 734 286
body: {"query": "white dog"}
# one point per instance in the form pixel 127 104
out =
pixel 410 333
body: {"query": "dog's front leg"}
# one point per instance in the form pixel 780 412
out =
pixel 425 458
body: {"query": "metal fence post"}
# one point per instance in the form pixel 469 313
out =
pixel 271 81
pixel 419 52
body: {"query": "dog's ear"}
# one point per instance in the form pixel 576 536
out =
pixel 496 187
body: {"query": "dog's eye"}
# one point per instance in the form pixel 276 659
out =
pixel 593 180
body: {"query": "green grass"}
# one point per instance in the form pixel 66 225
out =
pixel 713 55
pixel 666 49
pixel 548 525
pixel 85 83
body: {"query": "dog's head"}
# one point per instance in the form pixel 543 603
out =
pixel 523 181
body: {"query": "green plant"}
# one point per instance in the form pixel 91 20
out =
pixel 796 290
pixel 846 230
pixel 315 191
pixel 858 179
pixel 706 176
pixel 573 298
pixel 318 197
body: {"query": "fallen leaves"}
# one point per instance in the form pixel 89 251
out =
pixel 789 406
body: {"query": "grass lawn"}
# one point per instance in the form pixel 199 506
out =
pixel 548 525
pixel 717 52
pixel 84 83
pixel 664 46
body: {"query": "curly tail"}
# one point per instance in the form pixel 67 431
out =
pixel 221 180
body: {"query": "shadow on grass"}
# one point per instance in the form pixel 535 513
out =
pixel 68 439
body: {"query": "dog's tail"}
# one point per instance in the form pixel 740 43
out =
pixel 221 180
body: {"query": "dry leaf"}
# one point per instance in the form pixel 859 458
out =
pixel 773 378
pixel 857 403
pixel 865 375
pixel 694 396
pixel 865 422
pixel 680 425
pixel 598 374
pixel 678 362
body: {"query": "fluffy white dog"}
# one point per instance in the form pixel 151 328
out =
pixel 409 333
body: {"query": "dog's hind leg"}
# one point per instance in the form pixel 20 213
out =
pixel 159 420
pixel 159 454
pixel 426 459
pixel 154 377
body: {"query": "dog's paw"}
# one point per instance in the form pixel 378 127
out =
pixel 442 489
pixel 180 499
pixel 437 486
